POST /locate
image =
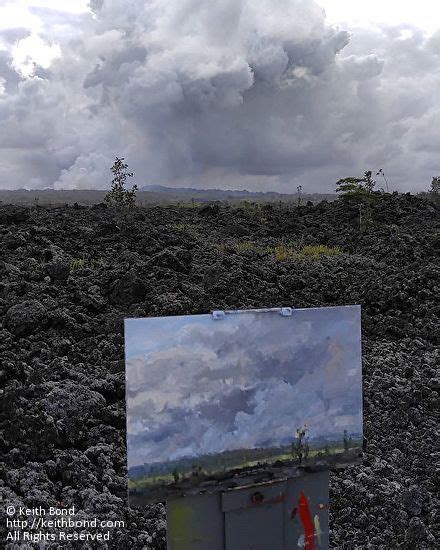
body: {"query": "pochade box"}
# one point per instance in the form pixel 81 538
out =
pixel 243 413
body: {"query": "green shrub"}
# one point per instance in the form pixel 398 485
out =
pixel 119 196
pixel 350 187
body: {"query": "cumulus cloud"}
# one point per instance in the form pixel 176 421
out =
pixel 197 386
pixel 228 93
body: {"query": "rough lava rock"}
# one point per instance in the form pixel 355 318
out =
pixel 26 317
pixel 69 276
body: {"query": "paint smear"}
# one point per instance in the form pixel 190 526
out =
pixel 317 528
pixel 181 528
pixel 306 519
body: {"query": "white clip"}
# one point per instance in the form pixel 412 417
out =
pixel 286 311
pixel 218 314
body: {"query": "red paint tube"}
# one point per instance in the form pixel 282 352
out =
pixel 307 521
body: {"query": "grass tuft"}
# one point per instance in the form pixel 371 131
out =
pixel 81 263
pixel 283 252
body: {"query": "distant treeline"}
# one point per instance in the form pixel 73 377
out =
pixel 229 459
pixel 219 461
pixel 186 197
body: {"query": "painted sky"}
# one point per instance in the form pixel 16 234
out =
pixel 256 94
pixel 197 386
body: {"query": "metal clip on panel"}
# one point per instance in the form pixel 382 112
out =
pixel 284 311
pixel 218 314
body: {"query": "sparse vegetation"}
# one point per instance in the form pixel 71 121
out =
pixel 83 262
pixel 299 194
pixel 168 476
pixel 119 196
pixel 435 186
pixel 351 186
pixel 347 441
pixel 300 447
pixel 245 246
pixel 180 228
pixel 382 173
pixel 283 252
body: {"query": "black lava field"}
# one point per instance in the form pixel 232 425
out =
pixel 70 275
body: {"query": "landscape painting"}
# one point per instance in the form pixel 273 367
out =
pixel 214 403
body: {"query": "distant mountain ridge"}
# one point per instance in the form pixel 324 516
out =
pixel 223 193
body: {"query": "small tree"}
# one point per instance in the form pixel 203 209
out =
pixel 382 173
pixel 369 182
pixel 300 448
pixel 346 442
pixel 196 470
pixel 356 186
pixel 435 186
pixel 349 187
pixel 299 193
pixel 175 473
pixel 118 195
pixel 306 448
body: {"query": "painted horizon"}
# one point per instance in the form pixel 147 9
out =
pixel 210 399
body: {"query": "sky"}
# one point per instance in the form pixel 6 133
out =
pixel 197 385
pixel 233 94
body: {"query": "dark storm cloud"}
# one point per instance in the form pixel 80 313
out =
pixel 230 93
pixel 179 431
pixel 118 63
pixel 225 409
